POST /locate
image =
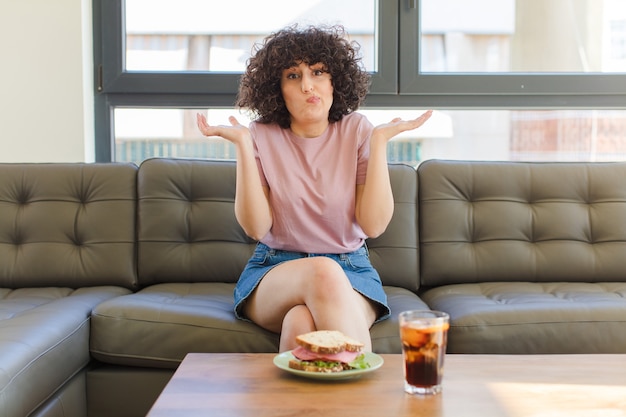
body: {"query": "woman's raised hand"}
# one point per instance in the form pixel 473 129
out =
pixel 235 133
pixel 387 131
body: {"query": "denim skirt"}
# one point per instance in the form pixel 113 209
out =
pixel 360 272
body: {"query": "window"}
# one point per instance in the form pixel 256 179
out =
pixel 509 79
pixel 200 35
pixel 142 133
pixel 195 46
pixel 539 53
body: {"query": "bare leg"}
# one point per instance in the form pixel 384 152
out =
pixel 297 321
pixel 320 285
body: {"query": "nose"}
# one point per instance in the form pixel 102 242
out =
pixel 306 84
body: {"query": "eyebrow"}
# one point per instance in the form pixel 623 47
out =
pixel 317 66
pixel 297 64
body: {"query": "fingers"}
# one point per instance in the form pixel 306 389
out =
pixel 233 121
pixel 397 126
pixel 235 132
pixel 426 115
pixel 419 121
pixel 208 130
pixel 202 124
pixel 200 119
pixel 423 117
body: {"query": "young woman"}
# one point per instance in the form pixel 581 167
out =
pixel 312 186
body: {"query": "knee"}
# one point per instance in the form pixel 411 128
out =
pixel 328 276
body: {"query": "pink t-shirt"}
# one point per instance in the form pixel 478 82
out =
pixel 312 184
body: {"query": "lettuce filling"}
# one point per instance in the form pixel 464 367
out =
pixel 358 363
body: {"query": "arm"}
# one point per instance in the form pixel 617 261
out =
pixel 252 208
pixel 374 199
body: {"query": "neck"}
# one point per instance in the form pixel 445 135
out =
pixel 309 130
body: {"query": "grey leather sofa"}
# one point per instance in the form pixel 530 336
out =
pixel 111 273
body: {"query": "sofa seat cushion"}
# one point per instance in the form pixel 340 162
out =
pixel 44 342
pixel 533 318
pixel 386 334
pixel 159 325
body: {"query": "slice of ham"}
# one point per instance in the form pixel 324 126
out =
pixel 306 355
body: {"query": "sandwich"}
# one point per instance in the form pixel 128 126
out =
pixel 327 351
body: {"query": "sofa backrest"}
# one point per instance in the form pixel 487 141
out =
pixel 187 230
pixel 516 221
pixel 395 253
pixel 69 225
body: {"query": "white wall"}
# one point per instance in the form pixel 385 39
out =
pixel 46 81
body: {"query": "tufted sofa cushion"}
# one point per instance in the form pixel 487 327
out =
pixel 395 253
pixel 160 324
pixel 533 318
pixel 536 222
pixel 188 231
pixel 67 225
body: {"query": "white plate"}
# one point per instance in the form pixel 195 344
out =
pixel 282 361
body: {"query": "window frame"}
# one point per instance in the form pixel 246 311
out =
pixel 114 79
pixel 398 83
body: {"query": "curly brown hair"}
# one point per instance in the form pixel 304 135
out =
pixel 259 89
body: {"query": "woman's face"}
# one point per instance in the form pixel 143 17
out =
pixel 308 94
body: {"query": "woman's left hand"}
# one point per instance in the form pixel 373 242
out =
pixel 396 126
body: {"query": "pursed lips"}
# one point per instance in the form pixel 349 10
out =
pixel 313 100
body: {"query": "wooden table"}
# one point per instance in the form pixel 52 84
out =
pixel 473 385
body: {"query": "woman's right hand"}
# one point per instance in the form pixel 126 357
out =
pixel 235 133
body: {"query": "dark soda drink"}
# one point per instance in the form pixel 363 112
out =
pixel 423 346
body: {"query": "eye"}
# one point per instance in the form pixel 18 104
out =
pixel 318 72
pixel 291 73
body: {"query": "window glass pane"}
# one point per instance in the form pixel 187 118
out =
pixel 531 135
pixel 518 36
pixel 503 135
pixel 145 133
pixel 201 35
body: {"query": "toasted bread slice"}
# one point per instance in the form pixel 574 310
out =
pixel 309 367
pixel 328 341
